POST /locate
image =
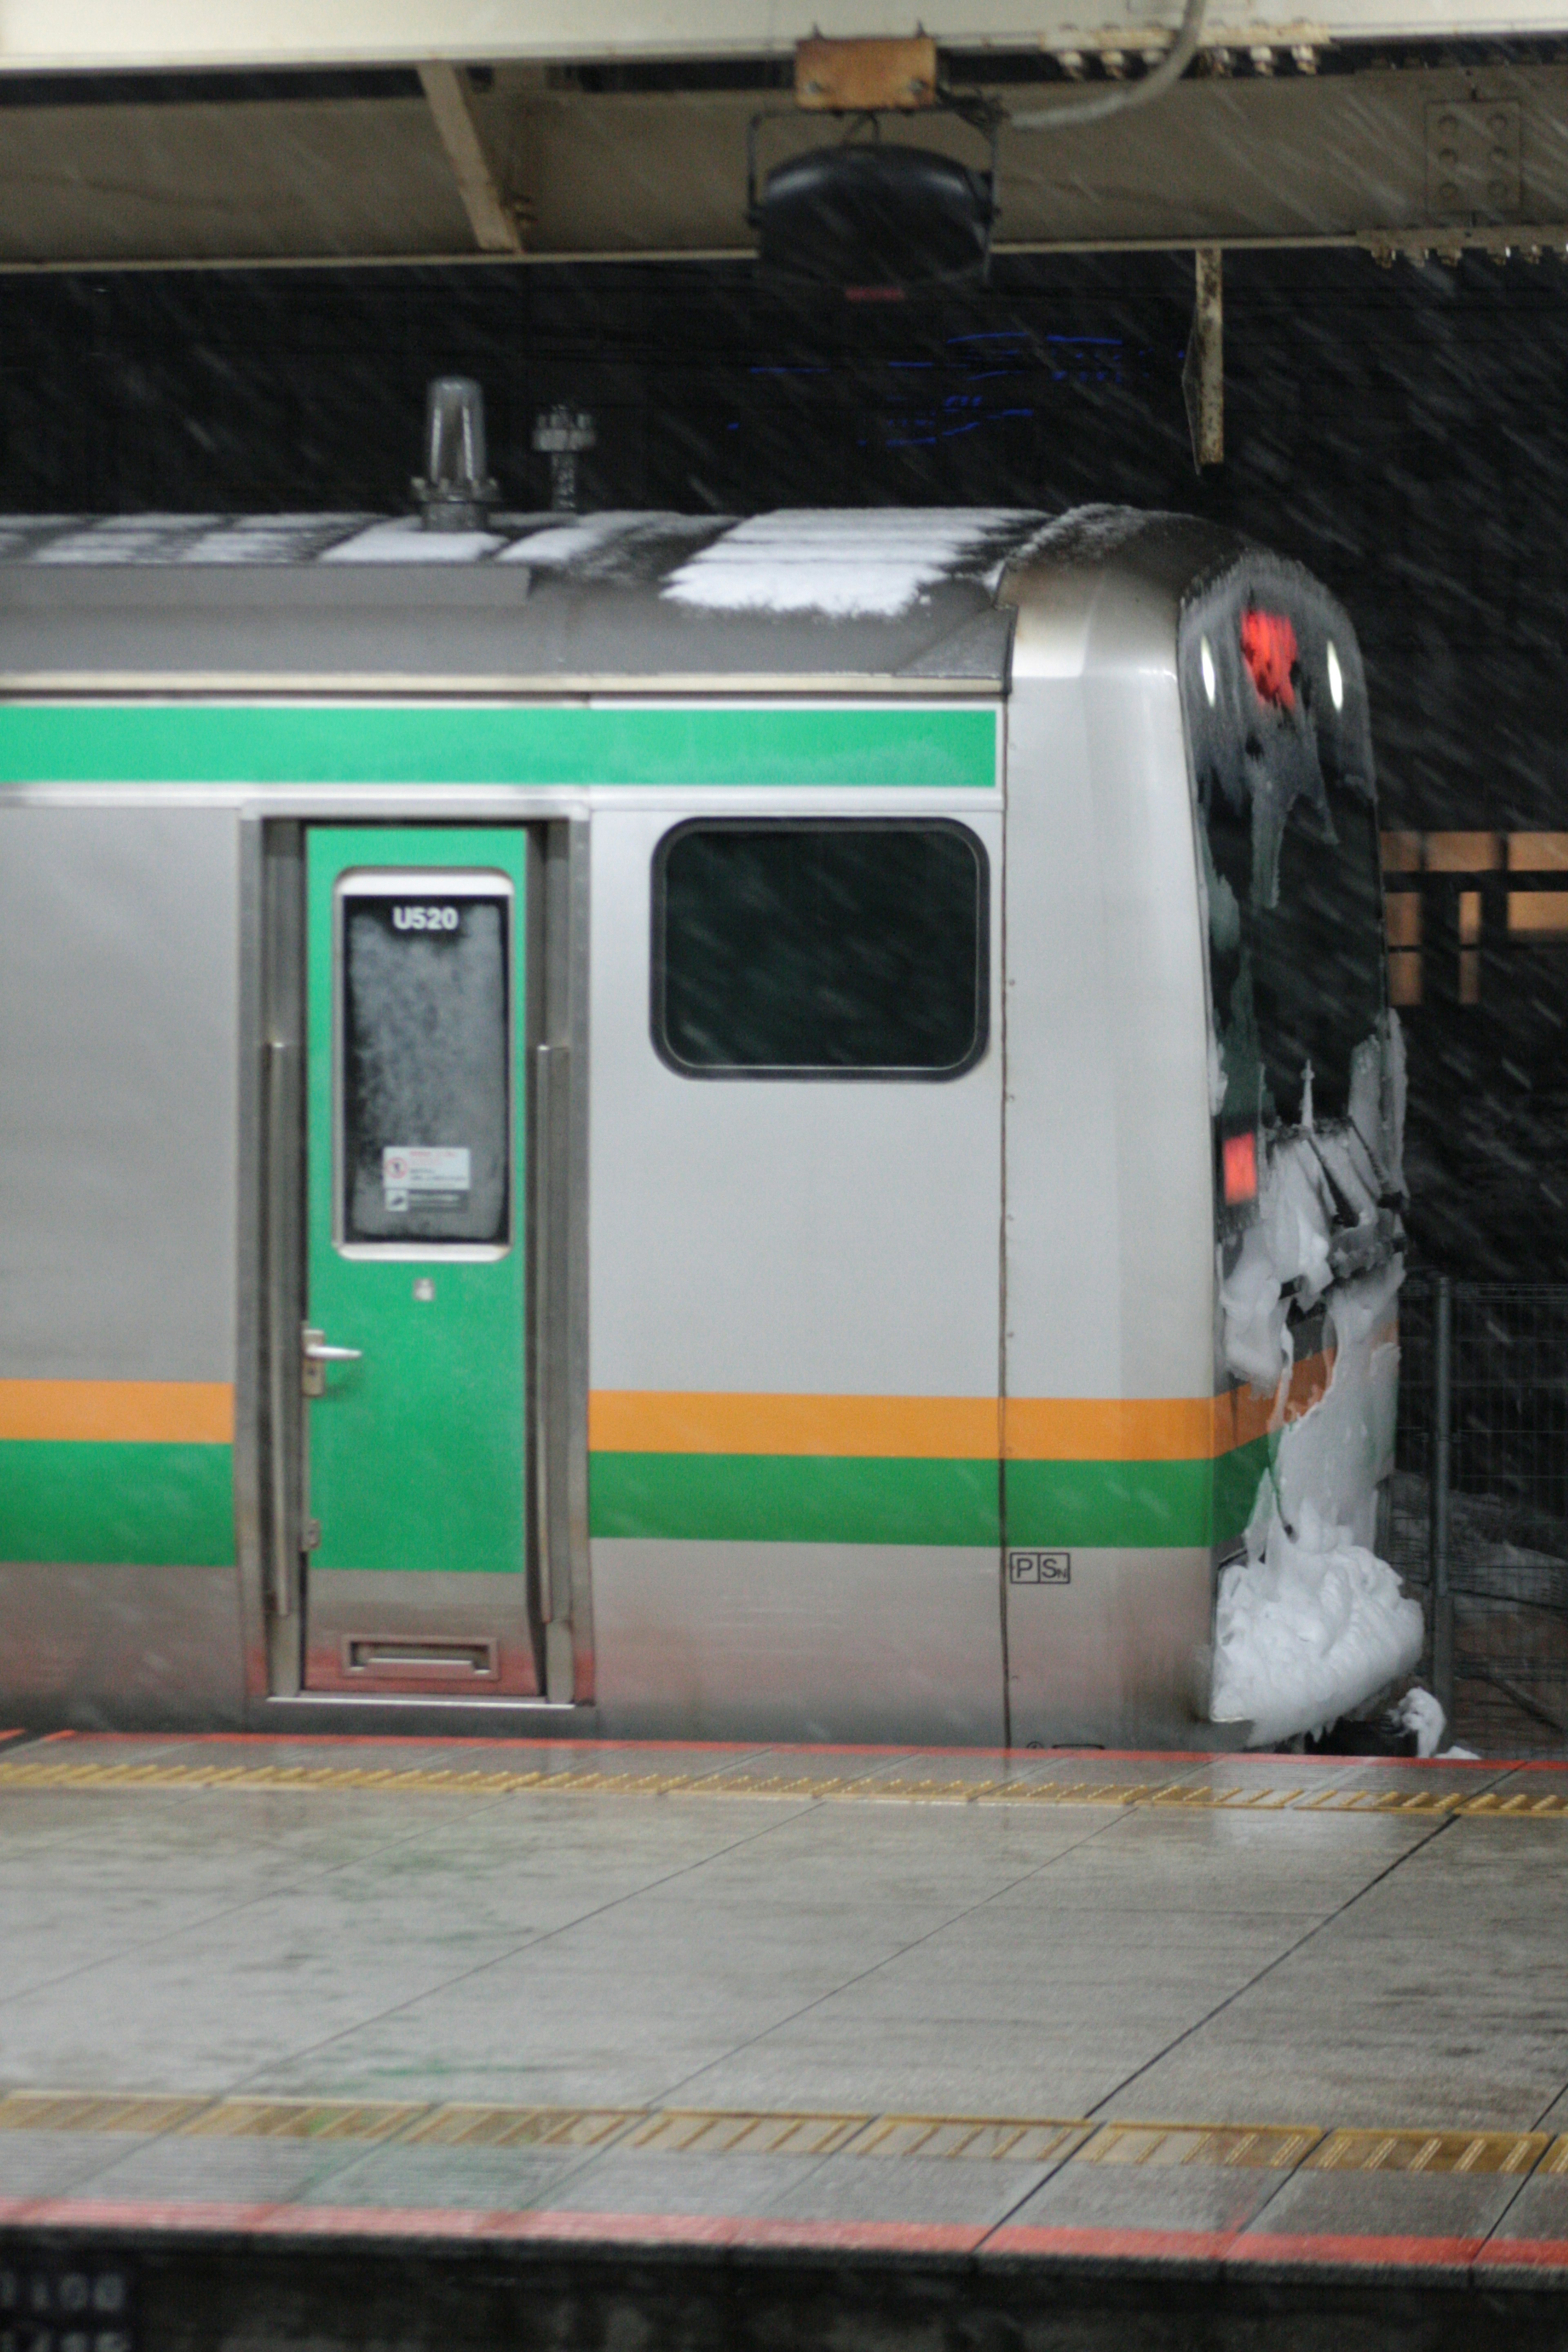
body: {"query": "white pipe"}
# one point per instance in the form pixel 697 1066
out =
pixel 1154 84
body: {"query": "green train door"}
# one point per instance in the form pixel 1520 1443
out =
pixel 413 1353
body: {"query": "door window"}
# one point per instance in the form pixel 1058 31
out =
pixel 424 1061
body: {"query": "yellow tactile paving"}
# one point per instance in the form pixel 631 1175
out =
pixel 84 2111
pixel 462 2124
pixel 1521 1807
pixel 1433 2151
pixel 1268 2147
pixel 987 2138
pixel 371 2119
pixel 32 1770
pixel 697 2131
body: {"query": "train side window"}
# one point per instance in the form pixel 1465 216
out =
pixel 839 949
pixel 424 1106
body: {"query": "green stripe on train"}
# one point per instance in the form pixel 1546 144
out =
pixel 173 1505
pixel 1134 1506
pixel 793 1499
pixel 788 1498
pixel 1236 1478
pixel 512 743
pixel 153 1505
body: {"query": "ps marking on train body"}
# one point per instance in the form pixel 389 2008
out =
pixel 1039 1568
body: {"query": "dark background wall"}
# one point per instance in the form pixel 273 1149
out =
pixel 1405 431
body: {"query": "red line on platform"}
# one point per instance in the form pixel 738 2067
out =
pixel 375 2221
pixel 139 2213
pixel 1118 2245
pixel 1380 2254
pixel 695 2230
pixel 710 2231
pixel 1525 2254
pixel 615 2229
pixel 755 2229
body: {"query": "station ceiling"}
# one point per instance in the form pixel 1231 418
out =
pixel 169 132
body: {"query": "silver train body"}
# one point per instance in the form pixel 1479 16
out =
pixel 612 1126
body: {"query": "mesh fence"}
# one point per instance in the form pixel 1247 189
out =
pixel 1506 1555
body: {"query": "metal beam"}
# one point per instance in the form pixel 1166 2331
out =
pixel 493 221
pixel 103 185
pixel 1397 161
pixel 64 36
pixel 1294 161
pixel 1203 374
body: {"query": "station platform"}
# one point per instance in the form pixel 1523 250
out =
pixel 376 2041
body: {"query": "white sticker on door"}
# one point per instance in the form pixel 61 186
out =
pixel 436 1174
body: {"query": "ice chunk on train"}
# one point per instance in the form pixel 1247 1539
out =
pixel 1311 1623
pixel 1308 1632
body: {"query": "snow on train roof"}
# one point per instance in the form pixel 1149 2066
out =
pixel 867 561
pixel 885 591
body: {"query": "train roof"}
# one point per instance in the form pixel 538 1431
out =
pixel 907 595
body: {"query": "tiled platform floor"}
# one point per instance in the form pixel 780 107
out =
pixel 414 1991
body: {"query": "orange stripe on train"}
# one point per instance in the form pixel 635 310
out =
pixel 663 1420
pixel 954 1429
pixel 145 1412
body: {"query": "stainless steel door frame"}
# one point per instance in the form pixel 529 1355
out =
pixel 560 1158
pixel 269 1425
pixel 421 1572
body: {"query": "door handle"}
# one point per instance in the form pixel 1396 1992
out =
pixel 315 1355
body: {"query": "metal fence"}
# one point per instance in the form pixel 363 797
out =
pixel 1478 1507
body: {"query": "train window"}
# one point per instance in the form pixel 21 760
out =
pixel 833 950
pixel 425 1094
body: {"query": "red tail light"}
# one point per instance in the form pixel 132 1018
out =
pixel 1269 649
pixel 1238 1158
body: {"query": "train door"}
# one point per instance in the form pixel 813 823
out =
pixel 414 1351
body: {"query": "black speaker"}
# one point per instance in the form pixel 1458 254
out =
pixel 874 219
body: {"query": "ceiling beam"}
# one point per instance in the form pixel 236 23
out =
pixel 1451 157
pixel 64 36
pixel 493 221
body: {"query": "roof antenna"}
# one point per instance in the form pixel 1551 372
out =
pixel 559 434
pixel 454 488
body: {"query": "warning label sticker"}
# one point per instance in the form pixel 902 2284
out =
pixel 425 1176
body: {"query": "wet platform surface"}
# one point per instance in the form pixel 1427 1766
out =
pixel 1253 2017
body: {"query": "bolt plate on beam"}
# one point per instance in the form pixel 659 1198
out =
pixel 1473 157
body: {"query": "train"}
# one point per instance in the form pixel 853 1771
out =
pixel 647 1125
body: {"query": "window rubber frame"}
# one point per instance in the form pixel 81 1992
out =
pixel 818 1073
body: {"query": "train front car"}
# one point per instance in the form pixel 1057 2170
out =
pixel 619 1131
pixel 1306 1088
pixel 1203 1105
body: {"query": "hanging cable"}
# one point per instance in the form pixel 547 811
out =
pixel 1154 84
